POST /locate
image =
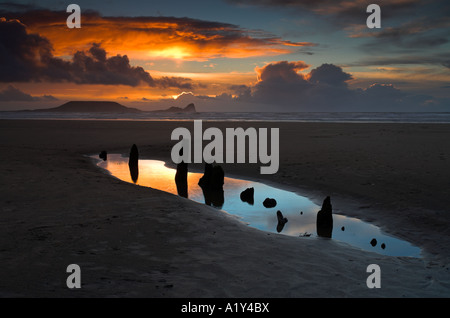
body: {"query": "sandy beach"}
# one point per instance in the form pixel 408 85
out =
pixel 58 208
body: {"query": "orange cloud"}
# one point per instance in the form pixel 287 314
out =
pixel 29 57
pixel 155 37
pixel 282 69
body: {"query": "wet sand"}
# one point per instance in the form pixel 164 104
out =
pixel 57 208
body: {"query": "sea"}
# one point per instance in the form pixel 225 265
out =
pixel 331 117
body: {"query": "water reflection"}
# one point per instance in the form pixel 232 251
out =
pixel 214 197
pixel 133 163
pixel 281 221
pixel 212 185
pixel 134 172
pixel 298 215
pixel 181 179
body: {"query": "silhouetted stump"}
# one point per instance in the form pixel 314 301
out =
pixel 213 177
pixel 212 185
pixel 103 155
pixel 373 242
pixel 134 155
pixel 281 221
pixel 324 221
pixel 248 196
pixel 206 178
pixel 270 203
pixel 133 163
pixel 218 177
pixel 181 177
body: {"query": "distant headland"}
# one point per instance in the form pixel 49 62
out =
pixel 108 107
pixel 91 107
pixel 188 109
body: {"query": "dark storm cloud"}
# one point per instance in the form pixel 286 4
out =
pixel 439 59
pixel 26 57
pixel 243 92
pixel 16 7
pixel 20 52
pixel 329 74
pixel 284 87
pixel 179 82
pixel 283 71
pixel 340 11
pixel 93 67
pixel 283 84
pixel 416 35
pixel 13 94
pixel 279 82
pixel 410 25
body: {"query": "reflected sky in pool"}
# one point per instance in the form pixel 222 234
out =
pixel 299 211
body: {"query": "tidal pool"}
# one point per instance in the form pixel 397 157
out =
pixel 300 212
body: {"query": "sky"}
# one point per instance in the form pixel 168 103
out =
pixel 228 55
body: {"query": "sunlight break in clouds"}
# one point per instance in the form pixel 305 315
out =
pixel 156 37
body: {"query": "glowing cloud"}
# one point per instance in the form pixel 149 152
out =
pixel 154 37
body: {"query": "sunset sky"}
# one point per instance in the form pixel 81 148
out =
pixel 228 55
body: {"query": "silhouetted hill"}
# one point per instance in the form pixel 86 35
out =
pixel 92 107
pixel 188 109
pixel 109 107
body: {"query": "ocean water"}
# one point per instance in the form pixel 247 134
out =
pixel 334 117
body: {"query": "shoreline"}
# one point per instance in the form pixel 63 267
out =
pixel 144 242
pixel 278 117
